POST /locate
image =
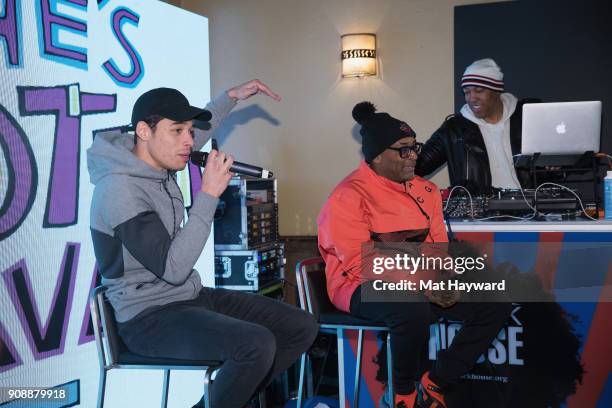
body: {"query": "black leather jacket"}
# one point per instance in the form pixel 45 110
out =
pixel 459 143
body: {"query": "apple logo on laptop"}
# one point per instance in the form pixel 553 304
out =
pixel 560 128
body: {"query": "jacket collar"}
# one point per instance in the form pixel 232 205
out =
pixel 370 174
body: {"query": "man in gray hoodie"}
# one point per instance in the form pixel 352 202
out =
pixel 146 252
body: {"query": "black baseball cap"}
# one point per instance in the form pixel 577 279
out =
pixel 168 103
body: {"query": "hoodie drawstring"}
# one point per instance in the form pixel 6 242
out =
pixel 163 183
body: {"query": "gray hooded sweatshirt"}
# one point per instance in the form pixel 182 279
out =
pixel 145 257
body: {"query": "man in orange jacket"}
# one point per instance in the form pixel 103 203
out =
pixel 383 201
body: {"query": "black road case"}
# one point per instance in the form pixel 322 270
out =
pixel 247 214
pixel 249 269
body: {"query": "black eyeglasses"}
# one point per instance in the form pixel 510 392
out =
pixel 404 151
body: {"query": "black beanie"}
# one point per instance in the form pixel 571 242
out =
pixel 378 130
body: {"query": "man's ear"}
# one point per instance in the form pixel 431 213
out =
pixel 377 159
pixel 143 131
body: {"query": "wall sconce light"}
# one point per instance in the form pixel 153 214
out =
pixel 358 55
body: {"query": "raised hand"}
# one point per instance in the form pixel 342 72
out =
pixel 253 87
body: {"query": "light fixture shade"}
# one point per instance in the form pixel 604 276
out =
pixel 358 55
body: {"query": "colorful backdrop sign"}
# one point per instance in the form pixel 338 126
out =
pixel 70 68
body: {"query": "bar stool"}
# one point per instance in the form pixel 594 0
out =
pixel 312 290
pixel 113 354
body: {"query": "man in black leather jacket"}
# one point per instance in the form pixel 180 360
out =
pixel 479 142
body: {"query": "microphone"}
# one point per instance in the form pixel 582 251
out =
pixel 199 159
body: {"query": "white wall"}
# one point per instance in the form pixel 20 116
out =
pixel 294 46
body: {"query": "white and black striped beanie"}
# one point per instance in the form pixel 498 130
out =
pixel 484 73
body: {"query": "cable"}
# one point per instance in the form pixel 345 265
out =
pixel 506 216
pixel 527 201
pixel 492 217
pixel 606 155
pixel 535 197
pixel 450 194
pixel 533 208
pixel 535 211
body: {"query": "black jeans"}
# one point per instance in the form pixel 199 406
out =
pixel 255 337
pixel 409 322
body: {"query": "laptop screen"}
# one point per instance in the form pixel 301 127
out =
pixel 561 128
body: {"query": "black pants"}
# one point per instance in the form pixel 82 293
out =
pixel 409 322
pixel 257 338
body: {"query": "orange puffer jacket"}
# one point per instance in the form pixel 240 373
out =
pixel 366 204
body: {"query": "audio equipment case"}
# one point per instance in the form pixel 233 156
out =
pixel 247 214
pixel 251 269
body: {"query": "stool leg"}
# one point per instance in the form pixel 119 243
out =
pixel 301 380
pixel 390 371
pixel 358 369
pixel 309 378
pixel 341 388
pixel 285 385
pixel 262 399
pixel 207 381
pixel 101 388
pixel 164 403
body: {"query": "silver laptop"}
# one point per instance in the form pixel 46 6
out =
pixel 561 127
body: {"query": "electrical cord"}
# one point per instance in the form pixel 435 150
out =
pixel 607 156
pixel 568 189
pixel 450 194
pixel 533 208
pixel 514 217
